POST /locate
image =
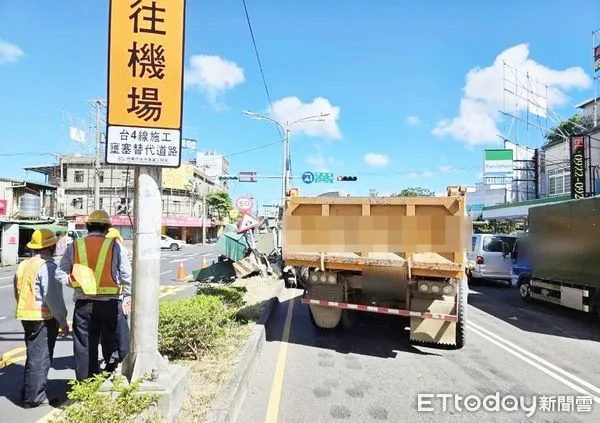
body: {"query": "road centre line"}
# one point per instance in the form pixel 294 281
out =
pixel 506 345
pixel 277 386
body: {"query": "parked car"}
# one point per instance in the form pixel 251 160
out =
pixel 171 243
pixel 490 257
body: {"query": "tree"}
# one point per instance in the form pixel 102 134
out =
pixel 496 226
pixel 219 202
pixel 373 192
pixel 415 192
pixel 572 126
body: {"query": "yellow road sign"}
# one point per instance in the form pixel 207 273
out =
pixel 145 82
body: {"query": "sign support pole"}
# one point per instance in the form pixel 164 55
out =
pixel 143 357
pixel 144 128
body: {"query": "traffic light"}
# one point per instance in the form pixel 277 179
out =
pixel 347 178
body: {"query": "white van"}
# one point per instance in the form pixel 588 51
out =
pixel 490 256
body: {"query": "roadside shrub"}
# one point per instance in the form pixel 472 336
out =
pixel 122 404
pixel 232 297
pixel 187 327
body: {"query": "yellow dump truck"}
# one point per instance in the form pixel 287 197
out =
pixel 403 256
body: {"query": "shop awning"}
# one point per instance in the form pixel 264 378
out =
pixel 51 226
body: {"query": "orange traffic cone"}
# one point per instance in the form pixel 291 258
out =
pixel 204 265
pixel 181 272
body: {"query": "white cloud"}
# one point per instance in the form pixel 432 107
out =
pixel 321 163
pixel 375 159
pixel 291 109
pixel 213 75
pixel 412 120
pixel 484 94
pixel 9 53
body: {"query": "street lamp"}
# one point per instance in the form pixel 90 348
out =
pixel 286 143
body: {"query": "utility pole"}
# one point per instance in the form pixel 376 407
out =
pixel 98 104
pixel 284 172
pixel 204 214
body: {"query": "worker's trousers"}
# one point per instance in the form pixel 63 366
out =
pixel 115 348
pixel 91 318
pixel 40 338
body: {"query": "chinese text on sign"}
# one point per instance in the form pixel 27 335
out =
pixel 145 78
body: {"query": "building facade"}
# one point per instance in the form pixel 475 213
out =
pixel 555 175
pixel 183 191
pixel 214 165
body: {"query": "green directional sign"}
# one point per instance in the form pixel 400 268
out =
pixel 324 178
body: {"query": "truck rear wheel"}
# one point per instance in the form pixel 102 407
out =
pixel 461 313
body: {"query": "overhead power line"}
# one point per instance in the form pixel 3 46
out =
pixel 249 150
pixel 260 66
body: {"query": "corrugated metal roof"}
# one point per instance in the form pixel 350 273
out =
pixel 21 181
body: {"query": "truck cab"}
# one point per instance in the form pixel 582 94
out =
pixel 521 265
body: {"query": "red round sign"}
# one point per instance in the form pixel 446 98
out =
pixel 244 204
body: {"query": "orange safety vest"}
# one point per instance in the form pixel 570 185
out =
pixel 27 306
pixel 92 266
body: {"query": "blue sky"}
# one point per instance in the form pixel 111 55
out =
pixel 392 74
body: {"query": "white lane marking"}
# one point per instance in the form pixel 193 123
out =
pixel 6 286
pixel 539 359
pixel 180 260
pixel 2 317
pixel 504 344
pixel 166 271
pixel 6 277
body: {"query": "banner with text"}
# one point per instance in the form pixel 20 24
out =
pixel 498 164
pixel 578 188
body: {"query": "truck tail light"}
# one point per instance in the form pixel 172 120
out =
pixel 479 260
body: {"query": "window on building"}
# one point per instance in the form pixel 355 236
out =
pixel 558 181
pixel 176 206
pixel 65 169
pixel 77 203
pixel 101 176
pixel 79 176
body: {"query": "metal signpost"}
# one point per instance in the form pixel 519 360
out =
pixel 144 120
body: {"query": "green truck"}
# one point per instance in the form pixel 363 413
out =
pixel 558 259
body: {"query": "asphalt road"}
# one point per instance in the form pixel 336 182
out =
pixel 12 346
pixel 372 374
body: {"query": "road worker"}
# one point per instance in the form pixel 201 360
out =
pixel 98 269
pixel 42 312
pixel 114 349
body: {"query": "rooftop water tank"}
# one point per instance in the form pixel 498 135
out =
pixel 29 205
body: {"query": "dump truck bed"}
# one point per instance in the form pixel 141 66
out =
pixel 426 234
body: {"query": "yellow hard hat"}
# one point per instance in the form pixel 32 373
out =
pixel 100 217
pixel 42 238
pixel 114 233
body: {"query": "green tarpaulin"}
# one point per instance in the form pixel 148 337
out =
pixel 231 244
pixel 52 227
